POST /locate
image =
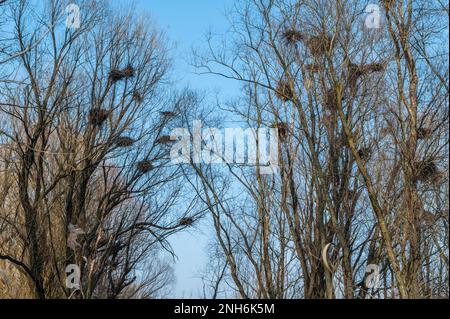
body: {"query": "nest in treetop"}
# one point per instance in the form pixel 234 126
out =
pixel 165 139
pixel 98 116
pixel 427 171
pixel 144 166
pixel 128 71
pixel 283 130
pixel 168 114
pixel 319 44
pixel 118 75
pixel 371 68
pixel 124 141
pixel 186 221
pixel 356 71
pixel 423 133
pixel 284 91
pixel 292 36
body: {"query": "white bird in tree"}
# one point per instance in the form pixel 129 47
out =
pixel 74 232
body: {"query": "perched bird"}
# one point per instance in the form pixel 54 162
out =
pixel 74 232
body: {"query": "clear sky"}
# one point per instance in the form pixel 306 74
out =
pixel 185 23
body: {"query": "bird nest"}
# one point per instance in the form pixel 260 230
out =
pixel 319 44
pixel 284 91
pixel 165 139
pixel 427 171
pixel 168 114
pixel 373 68
pixel 118 75
pixel 356 71
pixel 283 130
pixel 424 133
pixel 144 166
pixel 98 116
pixel 186 221
pixel 291 36
pixel 124 141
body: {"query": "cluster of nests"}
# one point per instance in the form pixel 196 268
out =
pixel 145 166
pixel 98 116
pixel 427 171
pixel 355 72
pixel 121 74
pixel 318 44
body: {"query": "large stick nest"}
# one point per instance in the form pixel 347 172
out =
pixel 165 139
pixel 98 116
pixel 319 45
pixel 124 141
pixel 186 221
pixel 284 91
pixel 118 75
pixel 292 36
pixel 144 166
pixel 427 171
pixel 283 130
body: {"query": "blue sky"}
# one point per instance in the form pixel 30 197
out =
pixel 185 23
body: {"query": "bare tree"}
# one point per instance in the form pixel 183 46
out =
pixel 84 152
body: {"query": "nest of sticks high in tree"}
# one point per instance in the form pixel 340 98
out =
pixel 98 116
pixel 165 139
pixel 356 71
pixel 168 114
pixel 427 171
pixel 331 100
pixel 186 221
pixel 292 36
pixel 284 91
pixel 319 44
pixel 282 129
pixel 118 75
pixel 144 166
pixel 124 141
